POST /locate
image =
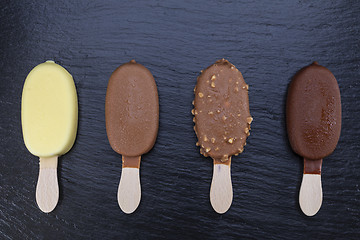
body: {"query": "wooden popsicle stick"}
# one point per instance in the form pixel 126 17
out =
pixel 310 196
pixel 47 188
pixel 129 191
pixel 221 192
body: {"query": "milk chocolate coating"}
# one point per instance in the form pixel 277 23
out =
pixel 221 108
pixel 313 112
pixel 132 110
pixel 312 166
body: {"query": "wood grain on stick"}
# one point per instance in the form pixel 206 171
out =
pixel 47 188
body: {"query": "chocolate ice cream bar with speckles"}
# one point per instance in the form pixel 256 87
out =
pixel 222 123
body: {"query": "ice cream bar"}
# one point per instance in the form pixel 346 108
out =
pixel 49 114
pixel 313 118
pixel 132 120
pixel 222 124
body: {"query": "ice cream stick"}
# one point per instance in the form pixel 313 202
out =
pixel 47 188
pixel 310 196
pixel 221 192
pixel 129 191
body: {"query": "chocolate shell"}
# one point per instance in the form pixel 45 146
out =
pixel 313 112
pixel 132 110
pixel 221 111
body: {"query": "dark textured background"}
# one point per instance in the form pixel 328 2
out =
pixel 267 41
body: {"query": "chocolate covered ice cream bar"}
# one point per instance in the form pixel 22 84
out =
pixel 222 124
pixel 313 118
pixel 132 120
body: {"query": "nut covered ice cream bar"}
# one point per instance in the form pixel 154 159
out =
pixel 222 124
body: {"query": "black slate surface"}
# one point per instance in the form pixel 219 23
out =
pixel 268 41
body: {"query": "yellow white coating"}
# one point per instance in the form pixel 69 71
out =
pixel 49 110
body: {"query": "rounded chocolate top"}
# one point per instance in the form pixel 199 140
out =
pixel 313 112
pixel 132 110
pixel 221 108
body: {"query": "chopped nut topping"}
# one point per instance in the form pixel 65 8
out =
pixel 249 120
pixel 240 150
pixel 217 149
pixel 237 82
pixel 194 119
pixel 213 77
pixel 224 117
pixel 201 94
pixel 207 149
pixel 236 89
pixel 231 140
pixel 246 87
pixel 213 84
pixel 197 144
pixel 246 130
pixel 205 138
pixel 239 115
pixel 218 111
pixel 192 102
pixel 193 111
pixel 213 140
pixel 210 113
pixel 232 67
